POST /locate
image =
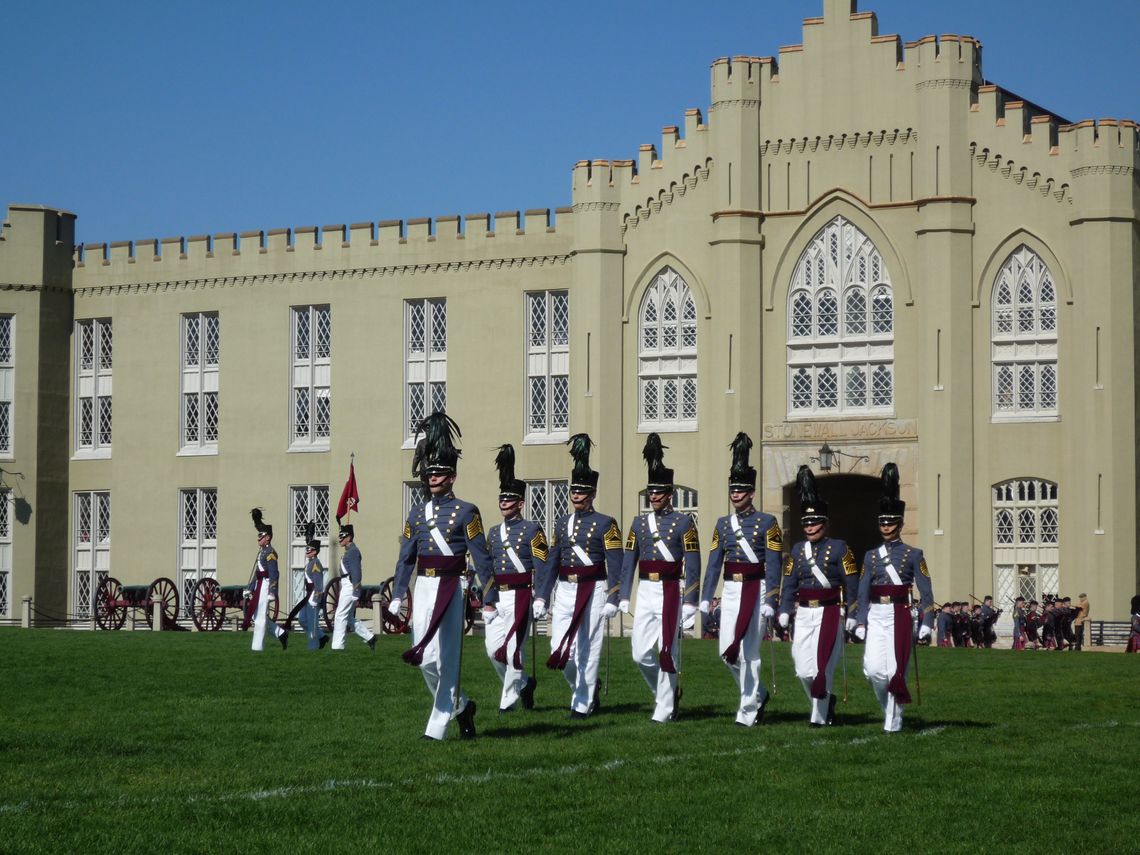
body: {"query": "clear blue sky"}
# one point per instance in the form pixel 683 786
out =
pixel 156 119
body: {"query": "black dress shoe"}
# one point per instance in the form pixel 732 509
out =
pixel 324 641
pixel 371 643
pixel 763 707
pixel 527 696
pixel 467 721
pixel 831 710
pixel 284 639
pixel 576 715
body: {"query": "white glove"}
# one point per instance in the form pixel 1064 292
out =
pixel 849 625
pixel 313 600
pixel 704 607
pixel 609 611
pixel 923 632
pixel 246 594
pixel 394 606
pixel 490 616
pixel 538 609
pixel 688 616
pixel 783 619
pixel 766 611
pixel 861 633
pixel 623 607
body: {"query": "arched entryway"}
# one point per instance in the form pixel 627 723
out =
pixel 853 502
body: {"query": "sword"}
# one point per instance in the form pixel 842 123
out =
pixel 843 637
pixel 914 655
pixel 772 637
pixel 606 688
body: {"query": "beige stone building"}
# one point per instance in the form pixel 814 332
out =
pixel 859 247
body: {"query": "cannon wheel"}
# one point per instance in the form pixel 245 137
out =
pixel 166 592
pixel 328 605
pixel 473 602
pixel 206 606
pixel 108 615
pixel 399 623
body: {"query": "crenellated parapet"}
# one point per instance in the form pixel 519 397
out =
pixel 363 245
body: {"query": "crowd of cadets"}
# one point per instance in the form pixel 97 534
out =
pixel 582 571
pixel 1054 624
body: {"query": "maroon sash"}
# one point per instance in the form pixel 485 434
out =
pixel 250 610
pixel 522 616
pixel 668 573
pixel 450 567
pixel 903 634
pixel 584 589
pixel 828 632
pixel 749 596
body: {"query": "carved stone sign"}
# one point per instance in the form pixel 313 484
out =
pixel 861 430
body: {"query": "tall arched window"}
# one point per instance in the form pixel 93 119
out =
pixel 667 355
pixel 1024 339
pixel 1027 534
pixel 840 327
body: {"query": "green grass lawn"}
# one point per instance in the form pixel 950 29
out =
pixel 189 742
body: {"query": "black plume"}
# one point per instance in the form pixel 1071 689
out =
pixel 654 452
pixel 310 531
pixel 890 481
pixel 580 445
pixel 740 446
pixel 805 480
pixel 505 463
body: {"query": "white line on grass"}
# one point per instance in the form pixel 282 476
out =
pixel 335 785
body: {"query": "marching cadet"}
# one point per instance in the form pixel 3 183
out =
pixel 438 536
pixel 746 547
pixel 307 610
pixel 263 586
pixel 515 545
pixel 664 548
pixel 585 557
pixel 946 625
pixel 348 594
pixel 820 575
pixel 884 618
pixel 1019 623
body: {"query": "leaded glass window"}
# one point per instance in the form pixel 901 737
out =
pixel 1024 339
pixel 94 362
pixel 546 501
pixel 311 372
pixel 548 365
pixel 7 381
pixel 667 356
pixel 308 503
pixel 1026 521
pixel 840 327
pixel 201 362
pixel 91 559
pixel 425 356
pixel 5 553
pixel 197 543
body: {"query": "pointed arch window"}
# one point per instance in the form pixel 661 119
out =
pixel 840 327
pixel 667 355
pixel 1024 339
pixel 1026 552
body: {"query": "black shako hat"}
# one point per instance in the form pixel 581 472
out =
pixel 260 524
pixel 741 476
pixel 813 509
pixel 436 454
pixel 582 478
pixel 660 477
pixel 891 507
pixel 311 541
pixel 510 488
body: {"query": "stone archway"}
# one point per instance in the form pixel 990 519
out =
pixel 853 502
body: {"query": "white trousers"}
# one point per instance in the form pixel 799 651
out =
pixel 513 679
pixel 442 655
pixel 261 620
pixel 746 671
pixel 648 636
pixel 346 616
pixel 581 670
pixel 809 619
pixel 879 662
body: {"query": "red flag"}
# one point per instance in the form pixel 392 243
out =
pixel 349 497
